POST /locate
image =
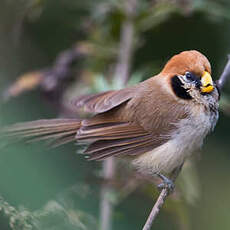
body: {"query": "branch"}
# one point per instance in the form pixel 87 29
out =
pixel 160 201
pixel 156 208
pixel 52 81
pixel 126 43
pixel 121 74
pixel 224 76
pixel 106 203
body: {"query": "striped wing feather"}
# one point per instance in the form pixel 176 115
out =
pixel 55 131
pixel 102 102
pixel 115 138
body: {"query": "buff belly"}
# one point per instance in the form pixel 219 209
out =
pixel 188 137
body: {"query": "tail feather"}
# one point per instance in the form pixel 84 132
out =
pixel 55 131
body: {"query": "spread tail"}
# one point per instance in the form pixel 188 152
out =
pixel 55 131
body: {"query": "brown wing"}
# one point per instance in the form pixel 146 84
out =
pixel 113 138
pixel 102 102
pixel 145 122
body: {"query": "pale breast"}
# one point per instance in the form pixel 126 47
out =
pixel 188 137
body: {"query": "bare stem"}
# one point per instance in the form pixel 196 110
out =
pixel 160 201
pixel 106 203
pixel 224 76
pixel 121 74
pixel 156 208
pixel 126 43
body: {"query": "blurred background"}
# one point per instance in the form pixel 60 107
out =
pixel 51 52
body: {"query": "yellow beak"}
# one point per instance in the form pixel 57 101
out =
pixel 207 83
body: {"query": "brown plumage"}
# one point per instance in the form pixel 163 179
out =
pixel 157 123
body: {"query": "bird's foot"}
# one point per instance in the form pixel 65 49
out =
pixel 166 183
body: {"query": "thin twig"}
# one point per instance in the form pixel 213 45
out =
pixel 160 201
pixel 224 76
pixel 156 208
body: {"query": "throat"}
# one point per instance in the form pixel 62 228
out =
pixel 179 90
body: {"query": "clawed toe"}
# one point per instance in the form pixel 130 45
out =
pixel 166 183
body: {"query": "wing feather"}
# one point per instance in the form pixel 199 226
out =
pixel 115 138
pixel 102 102
pixel 60 131
pixel 124 150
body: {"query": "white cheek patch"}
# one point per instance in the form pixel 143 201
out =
pixel 187 84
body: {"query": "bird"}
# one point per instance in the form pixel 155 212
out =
pixel 156 124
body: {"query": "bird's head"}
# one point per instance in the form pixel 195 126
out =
pixel 190 75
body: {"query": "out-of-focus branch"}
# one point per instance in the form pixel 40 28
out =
pixel 52 81
pixel 126 43
pixel 121 75
pixel 224 76
pixel 59 76
pixel 106 209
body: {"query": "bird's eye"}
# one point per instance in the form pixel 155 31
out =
pixel 189 76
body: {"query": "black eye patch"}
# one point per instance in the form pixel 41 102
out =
pixel 178 88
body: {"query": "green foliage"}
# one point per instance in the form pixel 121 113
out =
pixel 56 214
